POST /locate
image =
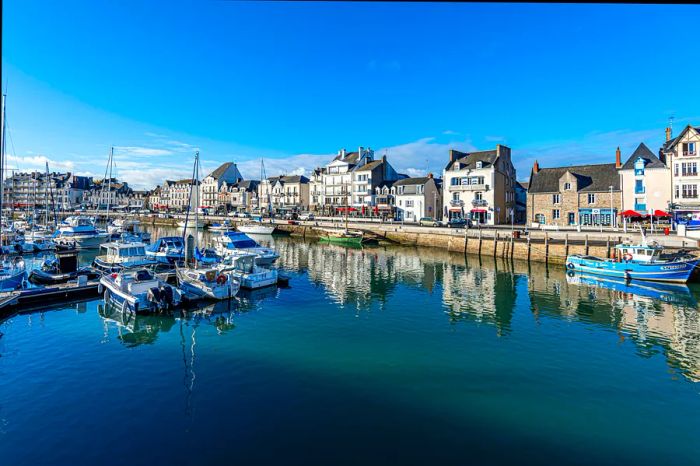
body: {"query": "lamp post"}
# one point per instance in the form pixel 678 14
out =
pixel 612 219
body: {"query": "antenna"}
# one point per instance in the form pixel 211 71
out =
pixel 670 122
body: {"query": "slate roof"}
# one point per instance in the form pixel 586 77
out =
pixel 370 166
pixel 469 159
pixel 294 179
pixel 350 157
pixel 248 185
pixel 412 181
pixel 523 184
pixel 219 172
pixel 591 178
pixel 668 145
pixel 650 160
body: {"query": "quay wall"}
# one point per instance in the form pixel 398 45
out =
pixel 534 245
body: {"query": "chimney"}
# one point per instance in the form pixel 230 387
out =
pixel 618 161
pixel 535 167
pixel 668 134
pixel 452 155
pixel 360 150
pixel 430 175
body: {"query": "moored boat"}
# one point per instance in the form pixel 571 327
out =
pixel 249 275
pixel 343 237
pixel 119 255
pixel 236 243
pixel 12 273
pixel 224 226
pixel 256 228
pixel 637 262
pixel 167 249
pixel 61 268
pixel 139 291
pixel 80 232
pixel 208 283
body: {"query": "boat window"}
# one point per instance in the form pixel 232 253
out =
pixel 140 251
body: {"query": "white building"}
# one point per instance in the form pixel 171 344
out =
pixel 645 181
pixel 683 156
pixel 480 185
pixel 415 198
pixel 337 178
pixel 211 184
pixel 366 178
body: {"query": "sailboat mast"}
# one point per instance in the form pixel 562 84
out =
pixel 46 196
pixel 109 180
pixel 195 187
pixel 2 165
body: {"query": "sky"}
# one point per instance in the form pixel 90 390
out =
pixel 292 83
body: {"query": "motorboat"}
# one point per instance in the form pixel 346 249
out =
pixel 41 244
pixel 208 283
pixel 348 237
pixel 167 250
pixel 637 262
pixel 226 225
pixel 128 229
pixel 81 233
pixel 236 243
pixel 60 268
pixel 139 291
pixel 244 268
pixel 207 256
pixel 118 255
pixel 256 228
pixel 12 273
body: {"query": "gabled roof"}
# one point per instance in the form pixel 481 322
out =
pixel 219 172
pixel 294 179
pixel 469 159
pixel 369 166
pixel 591 178
pixel 248 185
pixel 670 144
pixel 650 160
pixel 412 181
pixel 350 157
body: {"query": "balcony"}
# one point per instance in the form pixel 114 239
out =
pixel 480 203
pixel 456 203
pixel 689 153
pixel 689 173
pixel 469 187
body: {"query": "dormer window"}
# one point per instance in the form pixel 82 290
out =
pixel 567 186
pixel 479 164
pixel 639 167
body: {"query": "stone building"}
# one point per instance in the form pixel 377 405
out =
pixel 575 195
pixel 417 197
pixel 211 184
pixel 480 185
pixel 242 196
pixel 683 157
pixel 645 182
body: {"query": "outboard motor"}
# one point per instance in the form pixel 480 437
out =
pixel 154 297
pixel 166 295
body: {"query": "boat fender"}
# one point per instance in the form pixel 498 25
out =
pixel 105 296
pixel 221 279
pixel 570 266
pixel 100 289
pixel 627 257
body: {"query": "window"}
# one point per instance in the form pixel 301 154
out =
pixel 455 196
pixel 639 186
pixel 675 169
pixel 454 182
pixel 479 164
pixel 419 189
pixel 409 203
pixel 555 214
pixel 690 169
pixel 478 196
pixel 591 198
pixel 689 148
pixel 539 218
pixel 556 199
pixel 567 186
pixel 690 191
pixel 677 192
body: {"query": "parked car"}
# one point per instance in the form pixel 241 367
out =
pixel 307 216
pixel 429 222
pixel 459 223
pixel 291 216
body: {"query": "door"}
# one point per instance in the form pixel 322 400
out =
pixel 572 218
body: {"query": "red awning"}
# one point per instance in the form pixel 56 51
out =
pixel 350 209
pixel 478 211
pixel 661 213
pixel 631 213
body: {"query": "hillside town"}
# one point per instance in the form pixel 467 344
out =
pixel 479 187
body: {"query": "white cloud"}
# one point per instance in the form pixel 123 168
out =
pixel 145 151
pixel 38 162
pixel 300 164
pixel 449 132
pixel 422 156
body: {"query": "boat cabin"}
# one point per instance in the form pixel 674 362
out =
pixel 237 240
pixel 120 251
pixel 135 282
pixel 637 252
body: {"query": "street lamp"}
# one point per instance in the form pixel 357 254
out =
pixel 612 219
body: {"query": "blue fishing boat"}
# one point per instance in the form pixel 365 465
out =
pixel 638 262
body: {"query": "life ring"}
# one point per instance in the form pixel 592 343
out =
pixel 627 257
pixel 221 279
pixel 570 266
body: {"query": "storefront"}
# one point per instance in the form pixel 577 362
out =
pixel 479 216
pixel 603 217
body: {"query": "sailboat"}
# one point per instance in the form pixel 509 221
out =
pixel 12 274
pixel 203 282
pixel 344 236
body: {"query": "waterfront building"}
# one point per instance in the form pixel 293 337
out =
pixel 175 195
pixel 480 185
pixel 417 197
pixel 25 190
pixel 366 178
pixel 385 200
pixel 284 193
pixel 683 157
pixel 575 195
pixel 107 192
pixel 154 199
pixel 241 196
pixel 316 188
pixel 645 181
pixel 338 179
pixel 210 186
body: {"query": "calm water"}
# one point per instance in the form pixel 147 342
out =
pixel 375 356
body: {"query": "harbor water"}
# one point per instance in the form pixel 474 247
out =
pixel 378 355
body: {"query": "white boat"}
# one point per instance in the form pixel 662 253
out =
pixel 119 255
pixel 167 249
pixel 256 228
pixel 207 283
pixel 128 229
pixel 235 243
pixel 80 232
pixel 41 244
pixel 248 274
pixel 199 224
pixel 225 226
pixel 139 291
pixel 12 273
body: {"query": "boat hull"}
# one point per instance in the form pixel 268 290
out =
pixel 83 242
pixel 256 229
pixel 352 240
pixel 12 281
pixel 672 272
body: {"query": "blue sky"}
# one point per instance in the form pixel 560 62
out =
pixel 295 82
